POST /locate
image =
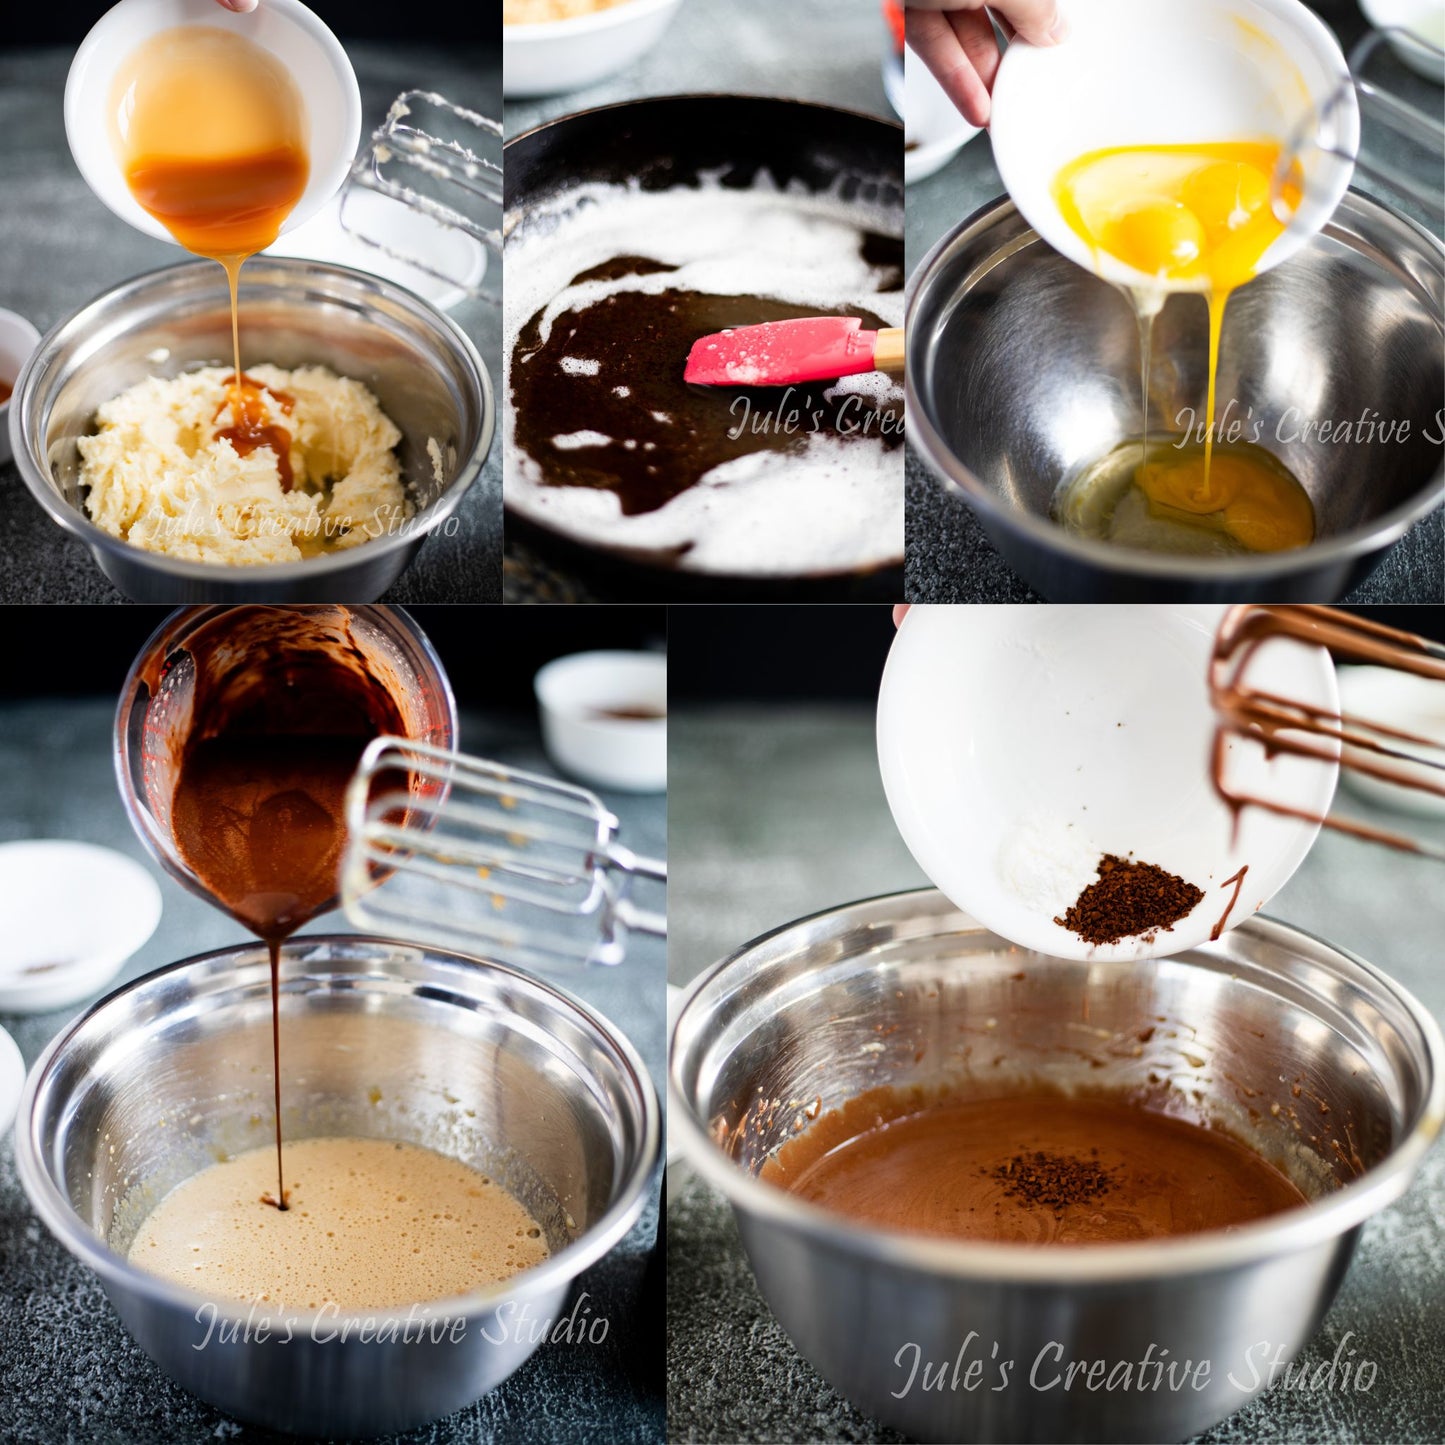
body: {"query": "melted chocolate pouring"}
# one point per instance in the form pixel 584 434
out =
pixel 283 708
pixel 664 434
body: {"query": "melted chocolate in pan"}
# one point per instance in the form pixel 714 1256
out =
pixel 665 435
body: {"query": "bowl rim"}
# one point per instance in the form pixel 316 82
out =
pixel 1290 1232
pixel 613 17
pixel 1267 567
pixel 72 519
pixel 556 1271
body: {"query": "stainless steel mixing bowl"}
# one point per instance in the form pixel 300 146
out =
pixel 906 990
pixel 421 366
pixel 379 1039
pixel 1022 367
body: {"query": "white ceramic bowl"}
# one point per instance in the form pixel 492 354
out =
pixel 291 32
pixel 1142 72
pixel 71 914
pixel 1412 704
pixel 935 130
pixel 18 338
pixel 1019 744
pixel 12 1080
pixel 1423 19
pixel 575 692
pixel 565 55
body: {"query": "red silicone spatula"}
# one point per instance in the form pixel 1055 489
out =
pixel 785 353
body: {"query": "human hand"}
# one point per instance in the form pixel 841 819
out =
pixel 241 7
pixel 955 40
pixel 900 611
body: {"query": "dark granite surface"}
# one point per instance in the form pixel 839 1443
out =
pixel 60 247
pixel 776 814
pixel 68 1369
pixel 816 50
pixel 949 559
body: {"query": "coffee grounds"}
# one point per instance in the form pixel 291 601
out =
pixel 1129 900
pixel 1053 1181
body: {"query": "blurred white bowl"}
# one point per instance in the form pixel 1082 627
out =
pixel 1425 20
pixel 12 1080
pixel 292 33
pixel 1138 72
pixel 1019 744
pixel 1412 704
pixel 934 129
pixel 71 914
pixel 18 338
pixel 576 694
pixel 564 55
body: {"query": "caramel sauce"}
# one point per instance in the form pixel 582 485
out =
pixel 250 429
pixel 210 131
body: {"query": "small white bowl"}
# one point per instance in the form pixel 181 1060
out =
pixel 575 693
pixel 1143 72
pixel 71 914
pixel 18 338
pixel 1412 704
pixel 564 55
pixel 1019 744
pixel 934 129
pixel 292 33
pixel 12 1081
pixel 1424 19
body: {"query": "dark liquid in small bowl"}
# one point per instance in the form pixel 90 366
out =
pixel 636 712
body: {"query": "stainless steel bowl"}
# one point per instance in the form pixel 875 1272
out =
pixel 421 366
pixel 1022 367
pixel 906 990
pixel 379 1039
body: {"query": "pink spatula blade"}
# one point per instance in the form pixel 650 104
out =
pixel 782 353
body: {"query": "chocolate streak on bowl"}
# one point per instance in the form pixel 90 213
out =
pixel 672 141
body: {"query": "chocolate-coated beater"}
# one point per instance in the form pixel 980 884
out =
pixel 521 868
pixel 1379 750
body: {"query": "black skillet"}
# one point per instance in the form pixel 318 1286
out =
pixel 672 141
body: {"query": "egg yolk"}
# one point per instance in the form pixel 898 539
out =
pixel 1264 510
pixel 1193 215
pixel 1196 218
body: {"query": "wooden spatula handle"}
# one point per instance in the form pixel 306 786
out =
pixel 888 351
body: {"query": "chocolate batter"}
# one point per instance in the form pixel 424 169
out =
pixel 665 435
pixel 1037 1168
pixel 283 707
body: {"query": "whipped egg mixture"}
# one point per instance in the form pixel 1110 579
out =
pixel 1186 218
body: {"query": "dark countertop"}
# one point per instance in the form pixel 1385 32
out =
pixel 776 815
pixel 59 247
pixel 69 1370
pixel 949 559
pixel 814 50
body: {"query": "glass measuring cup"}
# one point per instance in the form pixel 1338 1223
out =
pixel 154 716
